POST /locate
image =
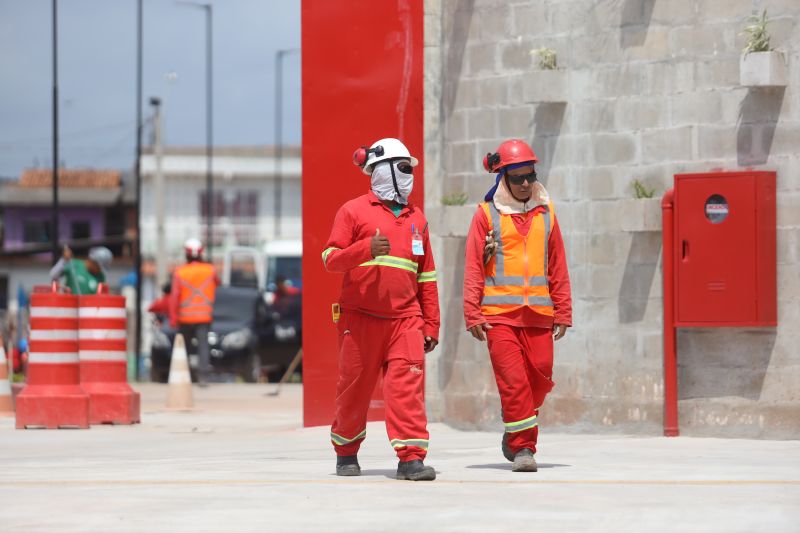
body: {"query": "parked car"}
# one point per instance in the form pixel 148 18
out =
pixel 233 337
pixel 247 338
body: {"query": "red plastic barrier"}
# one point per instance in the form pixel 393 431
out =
pixel 103 360
pixel 53 397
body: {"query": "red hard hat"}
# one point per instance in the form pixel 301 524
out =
pixel 508 153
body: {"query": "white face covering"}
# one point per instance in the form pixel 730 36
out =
pixel 384 186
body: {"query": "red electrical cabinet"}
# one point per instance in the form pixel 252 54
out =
pixel 724 251
pixel 719 261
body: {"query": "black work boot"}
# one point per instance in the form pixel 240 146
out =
pixel 415 471
pixel 507 453
pixel 524 461
pixel 347 465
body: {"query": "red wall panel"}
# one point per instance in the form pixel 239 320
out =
pixel 362 80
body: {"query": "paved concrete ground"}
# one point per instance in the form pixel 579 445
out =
pixel 241 462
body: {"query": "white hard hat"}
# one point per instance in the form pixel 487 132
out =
pixel 384 149
pixel 102 256
pixel 193 247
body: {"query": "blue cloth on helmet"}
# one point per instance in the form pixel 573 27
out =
pixel 490 194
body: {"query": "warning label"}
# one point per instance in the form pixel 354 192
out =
pixel 716 208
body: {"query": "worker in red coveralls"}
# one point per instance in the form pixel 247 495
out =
pixel 389 311
pixel 517 293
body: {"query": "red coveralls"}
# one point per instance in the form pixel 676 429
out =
pixel 389 304
pixel 520 341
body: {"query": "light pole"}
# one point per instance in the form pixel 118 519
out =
pixel 54 229
pixel 279 135
pixel 209 119
pixel 138 178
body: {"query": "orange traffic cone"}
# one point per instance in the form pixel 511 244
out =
pixel 6 405
pixel 180 380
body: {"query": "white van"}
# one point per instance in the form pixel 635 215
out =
pixel 249 267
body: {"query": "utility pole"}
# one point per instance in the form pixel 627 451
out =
pixel 209 119
pixel 55 235
pixel 209 132
pixel 138 178
pixel 158 192
pixel 279 137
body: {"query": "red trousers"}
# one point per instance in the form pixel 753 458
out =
pixel 369 345
pixel 522 359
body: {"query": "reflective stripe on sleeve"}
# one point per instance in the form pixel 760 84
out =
pixel 424 277
pixel 327 252
pixel 522 425
pixel 342 441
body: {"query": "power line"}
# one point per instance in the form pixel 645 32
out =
pixel 76 133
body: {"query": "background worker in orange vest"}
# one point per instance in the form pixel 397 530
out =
pixel 194 286
pixel 389 311
pixel 517 292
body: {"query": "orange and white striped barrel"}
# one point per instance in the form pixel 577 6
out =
pixel 53 396
pixel 102 335
pixel 103 338
pixel 53 342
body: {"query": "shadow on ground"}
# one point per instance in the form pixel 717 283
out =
pixel 507 466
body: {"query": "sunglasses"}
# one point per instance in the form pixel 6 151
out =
pixel 517 180
pixel 405 167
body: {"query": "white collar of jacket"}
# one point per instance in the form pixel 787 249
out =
pixel 506 204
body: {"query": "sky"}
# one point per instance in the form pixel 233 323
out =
pixel 97 77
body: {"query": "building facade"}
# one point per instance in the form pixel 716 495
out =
pixel 246 187
pixel 643 89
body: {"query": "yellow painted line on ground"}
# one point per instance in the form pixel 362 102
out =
pixel 232 482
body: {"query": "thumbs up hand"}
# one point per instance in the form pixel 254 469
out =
pixel 379 244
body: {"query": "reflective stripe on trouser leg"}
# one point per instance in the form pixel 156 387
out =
pixel 403 390
pixel 521 425
pixel 344 441
pixel 361 346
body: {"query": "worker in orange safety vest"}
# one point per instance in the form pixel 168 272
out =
pixel 517 292
pixel 194 287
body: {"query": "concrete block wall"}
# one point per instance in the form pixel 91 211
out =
pixel 644 89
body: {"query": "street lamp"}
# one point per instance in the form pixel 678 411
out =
pixel 279 134
pixel 55 214
pixel 209 118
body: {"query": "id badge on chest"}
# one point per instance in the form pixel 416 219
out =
pixel 416 242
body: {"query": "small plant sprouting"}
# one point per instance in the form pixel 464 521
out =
pixel 757 36
pixel 547 57
pixel 640 191
pixel 454 198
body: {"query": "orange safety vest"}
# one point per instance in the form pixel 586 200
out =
pixel 517 275
pixel 198 285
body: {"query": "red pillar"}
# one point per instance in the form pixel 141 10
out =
pixel 670 352
pixel 362 81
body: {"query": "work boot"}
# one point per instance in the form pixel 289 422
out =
pixel 524 461
pixel 507 453
pixel 415 471
pixel 347 465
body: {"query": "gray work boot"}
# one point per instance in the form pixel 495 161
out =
pixel 415 471
pixel 347 465
pixel 507 453
pixel 524 461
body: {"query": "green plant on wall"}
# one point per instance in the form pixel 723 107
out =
pixel 757 36
pixel 640 191
pixel 547 57
pixel 455 198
